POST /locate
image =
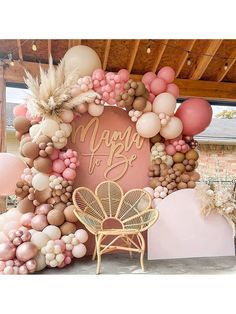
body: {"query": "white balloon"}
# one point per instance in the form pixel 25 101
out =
pixel 95 110
pixel 173 129
pixel 79 250
pixel 83 58
pixel 53 232
pixel 40 261
pixel 49 127
pixel 34 129
pixel 40 181
pixel 40 239
pixel 67 128
pixel 148 125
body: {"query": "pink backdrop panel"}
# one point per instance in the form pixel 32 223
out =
pixel 110 149
pixel 181 231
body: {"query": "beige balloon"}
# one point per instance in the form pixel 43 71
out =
pixel 164 102
pixel 83 58
pixel 148 125
pixel 173 129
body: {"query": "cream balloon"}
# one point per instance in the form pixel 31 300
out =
pixel 67 128
pixel 164 102
pixel 53 232
pixel 40 261
pixel 34 130
pixel 173 129
pixel 49 127
pixel 40 239
pixel 40 181
pixel 148 107
pixel 148 125
pixel 67 116
pixel 95 110
pixel 83 58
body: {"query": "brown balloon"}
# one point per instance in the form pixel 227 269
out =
pixel 26 206
pixel 60 206
pixel 191 184
pixel 192 154
pixel 69 214
pixel 67 228
pixel 43 139
pixel 178 157
pixel 140 89
pixel 182 185
pixel 43 164
pixel 42 196
pixel 139 103
pixel 30 150
pixel 18 135
pixel 180 167
pixel 55 217
pixel 21 124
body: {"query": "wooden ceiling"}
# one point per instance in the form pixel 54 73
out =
pixel 212 64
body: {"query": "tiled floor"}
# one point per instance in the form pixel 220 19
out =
pixel 121 264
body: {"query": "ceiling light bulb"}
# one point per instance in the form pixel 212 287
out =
pixel 34 47
pixel 148 50
pixel 12 63
pixel 189 62
pixel 226 66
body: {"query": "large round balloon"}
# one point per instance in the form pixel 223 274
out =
pixel 83 58
pixel 195 114
pixel 172 129
pixel 164 102
pixel 148 125
pixel 11 169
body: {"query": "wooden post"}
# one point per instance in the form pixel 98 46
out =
pixel 2 126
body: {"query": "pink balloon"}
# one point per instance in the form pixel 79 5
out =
pixel 195 114
pixel 148 78
pixel 81 235
pixel 170 150
pixel 54 155
pixel 58 166
pixel 43 209
pixel 26 251
pixel 11 169
pixel 158 86
pixel 124 75
pixel 69 174
pixel 3 237
pixel 151 97
pixel 167 74
pixel 7 251
pixel 20 110
pixel 39 222
pixel 173 89
pixel 25 219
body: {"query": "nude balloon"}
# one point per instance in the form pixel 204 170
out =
pixel 26 251
pixel 164 102
pixel 83 58
pixel 173 129
pixel 7 251
pixel 95 110
pixel 148 125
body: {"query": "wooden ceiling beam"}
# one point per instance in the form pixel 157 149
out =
pixel 159 56
pixel 106 54
pixel 204 60
pixel 133 56
pixel 188 88
pixel 230 62
pixel 49 48
pixel 73 42
pixel 19 50
pixel 184 56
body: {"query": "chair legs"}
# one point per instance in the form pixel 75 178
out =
pixel 142 245
pixel 98 246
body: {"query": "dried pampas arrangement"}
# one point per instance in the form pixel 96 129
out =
pixel 49 94
pixel 218 199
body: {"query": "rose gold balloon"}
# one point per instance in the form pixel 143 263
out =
pixel 43 209
pixel 7 251
pixel 23 270
pixel 39 222
pixel 25 219
pixel 26 251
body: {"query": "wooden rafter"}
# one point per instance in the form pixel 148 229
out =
pixel 70 43
pixel 19 50
pixel 184 56
pixel 159 56
pixel 133 55
pixel 188 88
pixel 222 73
pixel 204 60
pixel 106 54
pixel 73 42
pixel 49 48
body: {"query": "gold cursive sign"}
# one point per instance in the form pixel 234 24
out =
pixel 118 143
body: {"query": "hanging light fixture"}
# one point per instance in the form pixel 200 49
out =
pixel 34 47
pixel 148 49
pixel 189 62
pixel 226 66
pixel 10 58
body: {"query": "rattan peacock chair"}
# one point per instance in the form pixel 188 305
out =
pixel 111 215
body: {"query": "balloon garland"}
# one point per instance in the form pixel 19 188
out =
pixel 42 230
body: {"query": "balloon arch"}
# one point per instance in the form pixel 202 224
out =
pixel 42 230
